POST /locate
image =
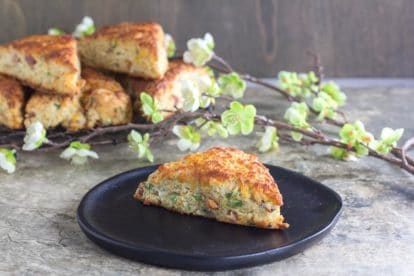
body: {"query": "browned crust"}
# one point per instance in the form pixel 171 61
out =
pixel 98 80
pixel 61 49
pixel 41 89
pixel 12 91
pixel 146 34
pixel 222 165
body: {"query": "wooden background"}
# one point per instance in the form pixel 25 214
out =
pixel 355 38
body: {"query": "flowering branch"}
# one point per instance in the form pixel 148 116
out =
pixel 309 96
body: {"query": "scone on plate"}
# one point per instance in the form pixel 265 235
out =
pixel 54 110
pixel 11 103
pixel 104 100
pixel 47 63
pixel 222 183
pixel 166 91
pixel 137 49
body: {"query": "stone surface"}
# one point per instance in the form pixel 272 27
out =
pixel 374 236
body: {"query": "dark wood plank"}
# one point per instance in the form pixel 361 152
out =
pixel 371 38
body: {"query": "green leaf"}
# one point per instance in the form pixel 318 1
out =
pixel 325 105
pixel 9 155
pixel 170 45
pixel 268 140
pixel 297 136
pixel 212 128
pixel 232 85
pixel 390 136
pixel 297 115
pixel 55 31
pixel 90 30
pixel 78 145
pixel 190 138
pixel 338 153
pixel 156 117
pixel 239 118
pixel 333 90
pixel 149 108
pixel 361 150
pixel 140 144
pixel 298 85
pixel 134 136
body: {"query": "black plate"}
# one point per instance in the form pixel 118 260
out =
pixel 110 217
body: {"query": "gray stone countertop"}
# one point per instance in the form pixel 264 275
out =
pixel 39 234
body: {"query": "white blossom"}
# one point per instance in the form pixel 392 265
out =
pixel 268 140
pixel 191 95
pixel 189 137
pixel 78 153
pixel 7 160
pixel 199 50
pixel 35 136
pixel 86 27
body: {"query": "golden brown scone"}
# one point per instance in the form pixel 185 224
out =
pixel 104 100
pixel 11 103
pixel 166 91
pixel 137 49
pixel 222 183
pixel 45 62
pixel 55 110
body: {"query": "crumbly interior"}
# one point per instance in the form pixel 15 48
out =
pixel 218 202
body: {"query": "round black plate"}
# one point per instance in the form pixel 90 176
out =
pixel 112 218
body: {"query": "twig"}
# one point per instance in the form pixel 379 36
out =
pixel 317 66
pixel 407 145
pixel 273 87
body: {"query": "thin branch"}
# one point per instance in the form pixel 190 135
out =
pixel 407 145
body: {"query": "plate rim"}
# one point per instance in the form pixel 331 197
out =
pixel 281 252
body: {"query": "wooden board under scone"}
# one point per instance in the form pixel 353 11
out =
pixel 46 63
pixel 166 90
pixel 137 49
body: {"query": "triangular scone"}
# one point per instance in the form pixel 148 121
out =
pixel 11 103
pixel 165 91
pixel 222 183
pixel 55 110
pixel 137 49
pixel 48 63
pixel 104 100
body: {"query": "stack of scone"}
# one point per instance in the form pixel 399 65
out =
pixel 61 81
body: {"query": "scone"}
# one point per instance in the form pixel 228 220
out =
pixel 222 183
pixel 104 100
pixel 166 91
pixel 48 63
pixel 137 49
pixel 11 103
pixel 55 110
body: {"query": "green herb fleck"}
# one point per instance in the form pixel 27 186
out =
pixel 198 197
pixel 233 201
pixel 173 197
